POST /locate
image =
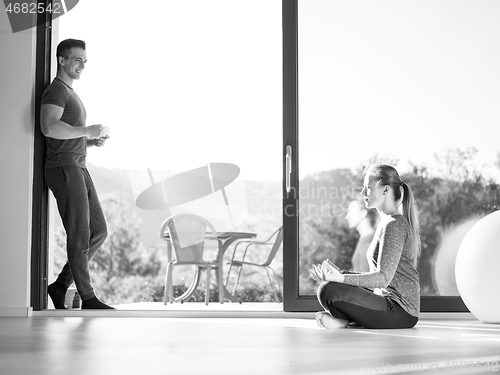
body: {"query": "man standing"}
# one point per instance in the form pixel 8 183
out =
pixel 63 122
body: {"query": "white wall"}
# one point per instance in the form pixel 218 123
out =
pixel 17 82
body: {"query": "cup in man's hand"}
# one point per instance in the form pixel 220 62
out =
pixel 105 131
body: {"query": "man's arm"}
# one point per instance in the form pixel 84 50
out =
pixel 53 127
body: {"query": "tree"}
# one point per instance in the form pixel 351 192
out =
pixel 453 192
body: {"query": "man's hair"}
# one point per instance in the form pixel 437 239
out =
pixel 65 46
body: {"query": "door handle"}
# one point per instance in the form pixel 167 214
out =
pixel 288 168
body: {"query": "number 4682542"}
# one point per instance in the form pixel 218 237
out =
pixel 32 8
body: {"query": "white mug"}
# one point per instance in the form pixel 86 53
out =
pixel 105 131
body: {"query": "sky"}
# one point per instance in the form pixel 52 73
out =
pixel 406 79
pixel 185 83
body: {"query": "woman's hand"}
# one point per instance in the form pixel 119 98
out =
pixel 326 271
pixel 332 264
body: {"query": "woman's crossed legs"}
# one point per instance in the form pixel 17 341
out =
pixel 346 303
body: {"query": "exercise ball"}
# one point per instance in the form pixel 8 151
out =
pixel 477 269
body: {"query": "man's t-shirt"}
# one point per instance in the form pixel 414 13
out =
pixel 66 151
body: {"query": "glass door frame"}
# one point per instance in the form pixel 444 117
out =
pixel 40 208
pixel 292 300
pixel 39 262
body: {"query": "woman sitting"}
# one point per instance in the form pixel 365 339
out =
pixel 388 296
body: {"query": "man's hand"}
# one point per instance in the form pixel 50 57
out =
pixel 99 142
pixel 94 131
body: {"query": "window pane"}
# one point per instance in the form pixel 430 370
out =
pixel 413 84
pixel 183 85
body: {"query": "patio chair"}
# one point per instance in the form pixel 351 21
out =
pixel 187 234
pixel 274 242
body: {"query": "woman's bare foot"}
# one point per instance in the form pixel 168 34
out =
pixel 325 320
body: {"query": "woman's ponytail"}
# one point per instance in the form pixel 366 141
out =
pixel 410 213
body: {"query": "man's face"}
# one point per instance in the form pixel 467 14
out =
pixel 75 63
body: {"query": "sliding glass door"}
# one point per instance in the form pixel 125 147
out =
pixel 411 84
pixel 186 87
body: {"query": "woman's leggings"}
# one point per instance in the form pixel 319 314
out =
pixel 364 307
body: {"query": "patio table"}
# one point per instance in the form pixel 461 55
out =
pixel 227 239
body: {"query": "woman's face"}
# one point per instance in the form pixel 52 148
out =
pixel 372 192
